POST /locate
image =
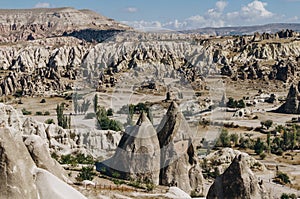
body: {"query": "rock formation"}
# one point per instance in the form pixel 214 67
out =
pixel 59 140
pixel 165 158
pixel 178 160
pixel 292 103
pixel 138 154
pixel 30 172
pixel 40 154
pixel 31 24
pixel 237 181
pixel 16 167
pixel 220 160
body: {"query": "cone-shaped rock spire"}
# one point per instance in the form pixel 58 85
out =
pixel 292 104
pixel 138 154
pixel 238 181
pixel 179 167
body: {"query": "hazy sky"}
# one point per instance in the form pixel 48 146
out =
pixel 180 14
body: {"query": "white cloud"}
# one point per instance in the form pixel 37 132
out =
pixel 221 5
pixel 256 9
pixel 253 13
pixel 131 9
pixel 42 5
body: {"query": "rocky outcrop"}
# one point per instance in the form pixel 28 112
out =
pixel 178 159
pixel 237 181
pixel 20 175
pixel 137 156
pixel 166 158
pixel 59 140
pixel 40 154
pixel 51 187
pixel 292 103
pixel 220 160
pixel 37 69
pixel 16 168
pixel 31 24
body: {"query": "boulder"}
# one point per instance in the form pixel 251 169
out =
pixel 51 187
pixel 178 161
pixel 238 181
pixel 176 193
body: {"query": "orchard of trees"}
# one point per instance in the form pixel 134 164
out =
pixel 282 139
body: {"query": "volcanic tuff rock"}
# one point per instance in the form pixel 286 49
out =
pixel 178 159
pixel 59 140
pixel 165 158
pixel 237 181
pixel 40 154
pixel 138 154
pixel 292 103
pixel 21 178
pixel 16 167
pixel 222 158
pixel 38 69
pixel 236 57
pixel 31 24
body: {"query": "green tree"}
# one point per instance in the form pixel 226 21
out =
pixel 86 173
pixel 224 139
pixel 60 114
pixel 110 112
pixel 62 120
pixel 234 138
pixel 95 103
pixel 259 146
pixel 231 103
pixel 240 104
pixel 268 123
pixel 104 123
pixel 269 142
pixel 294 138
pixel 282 178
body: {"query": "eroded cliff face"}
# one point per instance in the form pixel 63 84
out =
pixel 57 139
pixel 31 24
pixel 53 64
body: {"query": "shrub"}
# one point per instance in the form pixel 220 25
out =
pixel 86 173
pixel 235 104
pixel 104 123
pixel 288 196
pixel 110 112
pixel 47 113
pixel 267 123
pixel 83 159
pixel 89 116
pixel 262 155
pixel 43 101
pixel 25 112
pixel 259 146
pixel 282 178
pixel 18 93
pixel 49 121
pixel 39 113
pixel 224 139
pixel 54 156
pixel 150 186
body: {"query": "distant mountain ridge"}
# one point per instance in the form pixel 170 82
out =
pixel 245 30
pixel 31 24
